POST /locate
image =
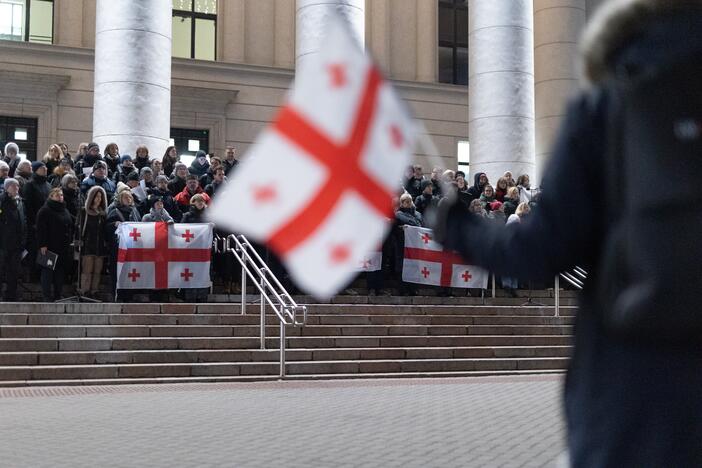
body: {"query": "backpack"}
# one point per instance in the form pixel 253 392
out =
pixel 650 278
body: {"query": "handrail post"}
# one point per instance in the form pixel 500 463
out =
pixel 557 295
pixel 493 285
pixel 282 350
pixel 263 309
pixel 243 281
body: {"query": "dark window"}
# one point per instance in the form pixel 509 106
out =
pixel 195 29
pixel 22 131
pixel 453 41
pixel 188 142
pixel 27 20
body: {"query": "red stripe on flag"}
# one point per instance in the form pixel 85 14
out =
pixel 446 259
pixel 341 162
pixel 161 255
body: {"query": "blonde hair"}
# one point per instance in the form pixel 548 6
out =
pixel 522 209
pixel 406 196
pixel 55 191
pixel 513 192
pixel 48 157
pixel 197 197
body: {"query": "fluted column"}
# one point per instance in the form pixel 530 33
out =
pixel 312 16
pixel 557 28
pixel 132 99
pixel 501 87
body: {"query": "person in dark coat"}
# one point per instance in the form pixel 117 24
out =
pixel 177 182
pixel 630 401
pixel 122 211
pixel 191 189
pixel 230 161
pixel 55 177
pixel 71 194
pixel 92 156
pixel 427 198
pixel 23 173
pixel 92 236
pixel 142 158
pixel 169 160
pixel 4 174
pixel 200 165
pixel 111 158
pixel 196 214
pixel 35 192
pixel 208 177
pixel 11 157
pixel 99 178
pixel 413 185
pixel 124 169
pixel 169 203
pixel 54 226
pixel 480 181
pixel 13 236
pixel 217 184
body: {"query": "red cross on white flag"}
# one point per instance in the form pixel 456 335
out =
pixel 426 262
pixel 162 256
pixel 318 184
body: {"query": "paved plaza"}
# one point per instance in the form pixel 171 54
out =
pixel 491 422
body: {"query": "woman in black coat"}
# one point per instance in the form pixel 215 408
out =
pixel 55 234
pixel 196 214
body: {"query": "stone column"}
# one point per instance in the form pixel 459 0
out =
pixel 557 28
pixel 132 98
pixel 312 16
pixel 501 87
pixel 427 40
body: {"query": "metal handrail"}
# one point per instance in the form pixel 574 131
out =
pixel 272 291
pixel 570 277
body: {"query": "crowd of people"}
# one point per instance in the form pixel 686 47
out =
pixel 72 204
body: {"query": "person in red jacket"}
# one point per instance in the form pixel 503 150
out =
pixel 192 187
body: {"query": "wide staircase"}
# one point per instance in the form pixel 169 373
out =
pixel 83 344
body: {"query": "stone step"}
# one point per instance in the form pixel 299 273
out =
pixel 17 384
pixel 75 331
pixel 313 319
pixel 215 342
pixel 316 354
pixel 115 371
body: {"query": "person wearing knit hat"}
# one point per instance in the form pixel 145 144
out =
pixel 196 214
pixel 37 165
pixel 160 189
pixel 23 172
pixel 177 182
pixel 4 172
pixel 92 155
pixel 98 177
pixel 124 169
pixel 71 194
pixel 13 235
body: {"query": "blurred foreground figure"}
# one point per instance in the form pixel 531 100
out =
pixel 629 158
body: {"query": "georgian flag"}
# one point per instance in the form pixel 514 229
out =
pixel 370 262
pixel 426 262
pixel 163 256
pixel 317 186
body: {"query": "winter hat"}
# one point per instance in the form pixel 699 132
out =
pixel 91 146
pixel 66 179
pixel 121 187
pixel 12 145
pixel 99 165
pixel 66 161
pixel 10 181
pixel 153 199
pixel 161 178
pixel 191 177
pixel 36 165
pixel 496 205
pixel 200 154
pixel 426 183
pixel 145 170
pixel 133 176
pixel 124 157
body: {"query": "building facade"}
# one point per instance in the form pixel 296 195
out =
pixel 233 61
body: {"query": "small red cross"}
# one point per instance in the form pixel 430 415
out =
pixel 187 236
pixel 135 234
pixel 186 275
pixel 339 253
pixel 133 275
pixel 338 75
pixel 396 135
pixel 467 276
pixel 366 264
pixel 426 238
pixel 264 194
pixel 425 272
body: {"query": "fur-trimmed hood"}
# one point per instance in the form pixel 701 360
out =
pixel 614 25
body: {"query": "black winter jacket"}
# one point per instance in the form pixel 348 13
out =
pixel 55 229
pixel 35 193
pixel 13 223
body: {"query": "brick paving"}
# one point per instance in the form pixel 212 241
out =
pixel 510 422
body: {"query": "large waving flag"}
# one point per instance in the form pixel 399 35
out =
pixel 163 256
pixel 426 262
pixel 317 186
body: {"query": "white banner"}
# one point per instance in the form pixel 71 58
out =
pixel 371 262
pixel 426 262
pixel 163 256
